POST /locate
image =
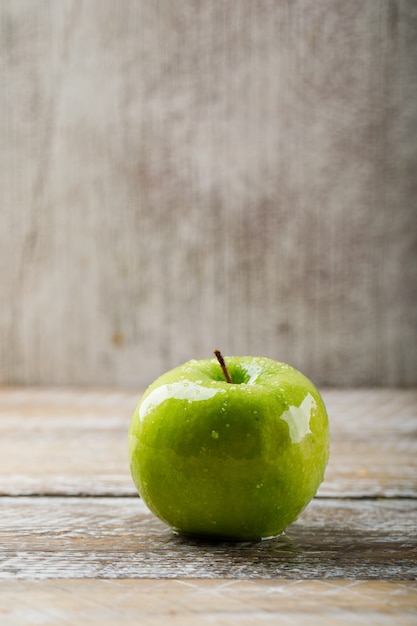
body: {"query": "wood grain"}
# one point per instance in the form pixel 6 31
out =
pixel 119 538
pixel 237 175
pixel 350 558
pixel 73 442
pixel 201 602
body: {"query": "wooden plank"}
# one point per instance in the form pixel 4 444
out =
pixel 197 602
pixel 73 441
pixel 65 441
pixel 374 443
pixel 118 538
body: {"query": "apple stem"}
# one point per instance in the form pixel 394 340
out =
pixel 223 366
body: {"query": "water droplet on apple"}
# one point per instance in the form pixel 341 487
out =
pixel 214 434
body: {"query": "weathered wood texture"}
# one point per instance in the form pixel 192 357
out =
pixel 198 602
pixel 64 442
pixel 181 176
pixel 119 538
pixel 106 559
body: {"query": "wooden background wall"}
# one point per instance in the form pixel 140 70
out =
pixel 177 176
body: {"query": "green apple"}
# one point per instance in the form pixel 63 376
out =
pixel 238 459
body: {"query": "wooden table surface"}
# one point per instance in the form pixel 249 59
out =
pixel 79 547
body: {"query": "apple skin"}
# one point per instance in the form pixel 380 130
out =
pixel 237 461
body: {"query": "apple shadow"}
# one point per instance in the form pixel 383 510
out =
pixel 215 558
pixel 282 542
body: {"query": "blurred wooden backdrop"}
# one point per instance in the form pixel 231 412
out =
pixel 181 176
